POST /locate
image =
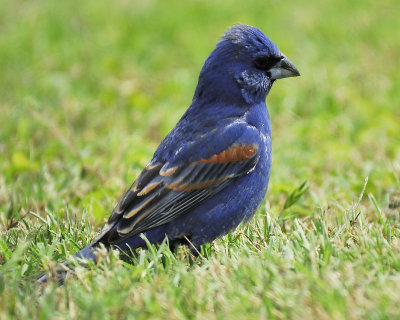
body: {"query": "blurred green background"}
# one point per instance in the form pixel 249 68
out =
pixel 89 88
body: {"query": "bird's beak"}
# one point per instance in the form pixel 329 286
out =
pixel 283 69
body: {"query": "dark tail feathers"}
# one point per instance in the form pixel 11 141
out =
pixel 63 269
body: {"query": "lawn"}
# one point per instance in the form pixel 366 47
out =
pixel 89 88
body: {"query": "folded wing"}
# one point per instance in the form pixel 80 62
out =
pixel 163 192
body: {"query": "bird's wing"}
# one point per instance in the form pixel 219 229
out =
pixel 165 191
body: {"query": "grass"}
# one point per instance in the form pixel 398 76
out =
pixel 88 90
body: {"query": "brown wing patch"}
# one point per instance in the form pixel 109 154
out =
pixel 148 188
pixel 133 188
pixel 130 228
pixel 137 208
pixel 168 172
pixel 201 185
pixel 151 166
pixel 235 153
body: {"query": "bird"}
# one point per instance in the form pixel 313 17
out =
pixel 211 172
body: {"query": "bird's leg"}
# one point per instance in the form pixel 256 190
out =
pixel 194 249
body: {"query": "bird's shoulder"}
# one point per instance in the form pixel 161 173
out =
pixel 194 140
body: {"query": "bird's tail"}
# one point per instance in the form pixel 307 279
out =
pixel 61 271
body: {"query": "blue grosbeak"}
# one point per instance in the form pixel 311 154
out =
pixel 211 171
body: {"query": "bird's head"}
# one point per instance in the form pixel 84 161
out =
pixel 244 65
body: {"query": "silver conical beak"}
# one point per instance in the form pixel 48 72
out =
pixel 283 69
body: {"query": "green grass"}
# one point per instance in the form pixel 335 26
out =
pixel 88 90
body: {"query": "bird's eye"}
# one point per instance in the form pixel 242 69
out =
pixel 266 62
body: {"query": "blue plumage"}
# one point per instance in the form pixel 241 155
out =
pixel 211 171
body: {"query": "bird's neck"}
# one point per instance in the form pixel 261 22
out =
pixel 258 116
pixel 231 87
pixel 217 87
